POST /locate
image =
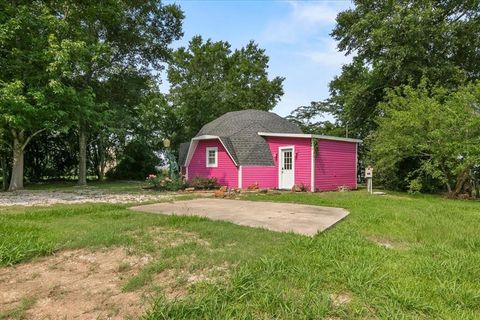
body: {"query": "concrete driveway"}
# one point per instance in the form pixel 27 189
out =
pixel 283 217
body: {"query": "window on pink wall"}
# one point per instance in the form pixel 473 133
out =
pixel 212 157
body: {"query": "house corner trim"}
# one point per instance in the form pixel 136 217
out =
pixel 312 167
pixel 240 177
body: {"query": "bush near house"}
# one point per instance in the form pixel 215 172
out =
pixel 204 183
pixel 166 183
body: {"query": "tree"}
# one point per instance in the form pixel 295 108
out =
pixel 124 95
pixel 396 43
pixel 154 121
pixel 52 156
pixel 309 118
pixel 439 128
pixel 137 162
pixel 4 151
pixel 208 79
pixel 106 40
pixel 26 107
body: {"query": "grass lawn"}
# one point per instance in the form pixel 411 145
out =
pixel 393 257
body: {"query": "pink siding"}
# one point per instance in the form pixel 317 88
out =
pixel 226 172
pixel 335 165
pixel 265 176
pixel 302 158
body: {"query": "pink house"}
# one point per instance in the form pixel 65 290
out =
pixel 251 146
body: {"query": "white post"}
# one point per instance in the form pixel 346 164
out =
pixel 369 176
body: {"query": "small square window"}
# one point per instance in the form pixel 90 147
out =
pixel 212 157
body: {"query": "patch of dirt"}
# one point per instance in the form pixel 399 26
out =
pixel 164 237
pixel 166 280
pixel 76 284
pixel 47 198
pixel 387 243
pixel 209 274
pixel 175 237
pixel 340 299
pixel 175 283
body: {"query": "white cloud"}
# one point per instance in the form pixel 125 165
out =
pixel 280 31
pixel 328 55
pixel 304 51
pixel 314 13
pixel 304 19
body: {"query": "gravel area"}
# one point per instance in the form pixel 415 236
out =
pixel 36 198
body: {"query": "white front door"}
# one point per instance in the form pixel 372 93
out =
pixel 286 168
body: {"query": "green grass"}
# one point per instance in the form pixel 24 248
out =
pixel 18 312
pixel 430 269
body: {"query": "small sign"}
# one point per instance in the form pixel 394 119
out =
pixel 369 172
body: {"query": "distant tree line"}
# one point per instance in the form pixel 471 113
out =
pixel 411 92
pixel 79 87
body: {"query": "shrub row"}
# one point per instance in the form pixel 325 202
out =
pixel 160 182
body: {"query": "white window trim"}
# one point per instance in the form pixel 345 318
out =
pixel 215 165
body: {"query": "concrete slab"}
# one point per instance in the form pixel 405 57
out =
pixel 303 219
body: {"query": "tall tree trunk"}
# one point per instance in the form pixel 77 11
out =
pixel 20 141
pixel 449 188
pixel 3 161
pixel 16 181
pixel 461 179
pixel 477 188
pixel 82 157
pixel 101 160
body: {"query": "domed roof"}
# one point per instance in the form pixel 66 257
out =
pixel 252 121
pixel 239 130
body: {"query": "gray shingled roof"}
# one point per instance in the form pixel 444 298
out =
pixel 238 131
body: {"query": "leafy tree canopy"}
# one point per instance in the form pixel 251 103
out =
pixel 108 46
pixel 438 128
pixel 310 119
pixel 80 65
pixel 209 79
pixel 27 103
pixel 396 43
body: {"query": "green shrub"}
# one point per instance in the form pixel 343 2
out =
pixel 415 186
pixel 176 184
pixel 204 183
pixel 137 161
pixel 166 183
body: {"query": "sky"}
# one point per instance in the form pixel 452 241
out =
pixel 295 35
